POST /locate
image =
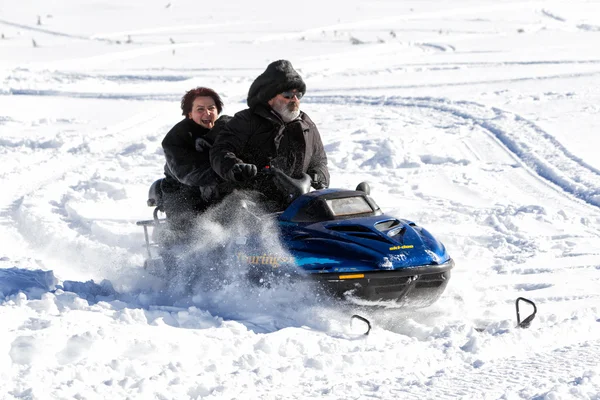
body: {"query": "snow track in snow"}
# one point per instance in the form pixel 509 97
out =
pixel 533 146
pixel 96 95
pixel 43 30
pixel 532 376
pixel 68 158
pixel 38 206
pixel 394 20
pixel 553 16
pixel 582 26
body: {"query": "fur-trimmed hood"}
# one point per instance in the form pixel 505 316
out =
pixel 278 77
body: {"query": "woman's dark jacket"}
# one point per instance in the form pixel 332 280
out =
pixel 187 161
pixel 258 136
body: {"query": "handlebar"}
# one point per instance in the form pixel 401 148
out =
pixel 292 188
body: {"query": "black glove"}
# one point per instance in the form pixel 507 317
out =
pixel 202 145
pixel 316 182
pixel 242 172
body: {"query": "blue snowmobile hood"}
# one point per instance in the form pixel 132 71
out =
pixel 369 241
pixel 362 244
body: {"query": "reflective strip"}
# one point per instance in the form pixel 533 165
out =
pixel 353 276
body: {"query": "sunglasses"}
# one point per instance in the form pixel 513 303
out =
pixel 290 95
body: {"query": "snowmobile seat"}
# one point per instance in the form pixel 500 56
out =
pixel 155 195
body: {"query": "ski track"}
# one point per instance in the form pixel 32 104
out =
pixel 23 75
pixel 435 46
pixel 175 28
pixel 464 83
pixel 530 144
pixel 92 62
pixel 47 31
pixel 588 27
pixel 553 16
pixel 106 37
pixel 458 65
pixel 92 95
pixel 583 27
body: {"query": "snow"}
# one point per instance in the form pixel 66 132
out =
pixel 478 120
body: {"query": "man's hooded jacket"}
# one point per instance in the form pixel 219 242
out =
pixel 259 136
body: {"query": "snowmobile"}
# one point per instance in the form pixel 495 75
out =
pixel 342 240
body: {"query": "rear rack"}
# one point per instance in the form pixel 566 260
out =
pixel 153 223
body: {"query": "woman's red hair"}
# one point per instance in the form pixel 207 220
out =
pixel 188 99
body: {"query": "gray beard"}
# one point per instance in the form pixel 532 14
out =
pixel 285 114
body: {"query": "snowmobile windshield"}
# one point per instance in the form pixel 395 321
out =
pixel 349 206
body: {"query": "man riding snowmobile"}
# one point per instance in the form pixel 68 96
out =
pixel 271 132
